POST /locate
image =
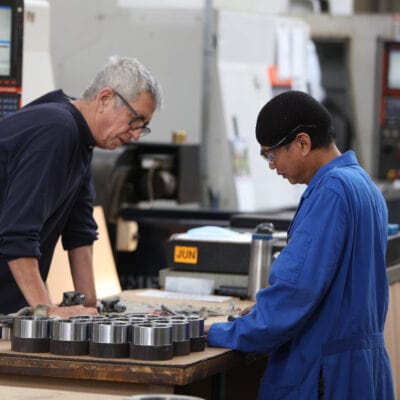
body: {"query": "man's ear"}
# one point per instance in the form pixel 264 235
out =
pixel 303 140
pixel 104 97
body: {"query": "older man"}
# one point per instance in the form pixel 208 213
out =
pixel 46 188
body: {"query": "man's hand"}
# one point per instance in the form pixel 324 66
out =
pixel 71 311
pixel 246 310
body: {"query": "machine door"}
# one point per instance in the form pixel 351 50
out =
pixel 388 116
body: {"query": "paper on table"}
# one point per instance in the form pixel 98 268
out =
pixel 163 294
pixel 183 284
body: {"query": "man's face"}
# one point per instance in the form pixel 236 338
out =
pixel 119 124
pixel 288 161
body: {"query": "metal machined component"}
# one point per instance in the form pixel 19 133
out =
pixel 82 318
pixel 155 318
pixel 196 333
pixel 6 323
pixel 109 339
pixel 136 315
pixel 31 334
pixel 112 306
pixel 31 327
pixel 150 334
pixel 110 332
pixel 72 298
pixel 152 341
pixel 5 332
pixel 70 337
pixel 70 330
pixel 180 337
pixel 196 326
pixel 180 331
pixel 136 320
pixel 178 318
pixel 90 320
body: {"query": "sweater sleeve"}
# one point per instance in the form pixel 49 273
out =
pixel 81 228
pixel 35 186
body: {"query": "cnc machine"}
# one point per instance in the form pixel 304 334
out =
pixel 387 120
pixel 11 42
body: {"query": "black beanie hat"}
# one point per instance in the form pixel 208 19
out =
pixel 288 110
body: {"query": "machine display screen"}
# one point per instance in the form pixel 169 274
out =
pixel 5 40
pixel 393 81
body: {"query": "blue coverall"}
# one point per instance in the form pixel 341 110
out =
pixel 322 318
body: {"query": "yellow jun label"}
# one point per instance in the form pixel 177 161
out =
pixel 185 254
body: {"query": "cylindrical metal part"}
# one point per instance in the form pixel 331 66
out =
pixel 136 320
pixel 70 337
pixel 31 334
pixel 109 350
pixel 149 334
pixel 99 318
pixel 196 326
pixel 152 341
pixel 86 318
pixel 136 315
pixel 152 317
pixel 69 348
pixel 180 337
pixel 180 331
pixel 70 330
pixel 177 318
pixel 32 327
pixel 152 353
pixel 5 332
pixel 120 320
pixel 162 397
pixel 161 320
pixel 109 339
pixel 196 333
pixel 110 332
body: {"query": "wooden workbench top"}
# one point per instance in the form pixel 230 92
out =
pixel 9 392
pixel 217 311
pixel 177 371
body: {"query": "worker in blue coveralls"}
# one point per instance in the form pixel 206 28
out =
pixel 46 188
pixel 322 317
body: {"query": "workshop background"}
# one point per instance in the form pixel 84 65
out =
pixel 219 62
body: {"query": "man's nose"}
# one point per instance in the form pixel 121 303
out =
pixel 135 134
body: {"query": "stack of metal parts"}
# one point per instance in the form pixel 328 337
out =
pixel 138 336
pixel 31 334
pixel 5 328
pixel 70 337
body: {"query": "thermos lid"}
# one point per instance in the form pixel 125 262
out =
pixel 265 228
pixel 261 236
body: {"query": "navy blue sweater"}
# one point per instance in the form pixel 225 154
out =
pixel 46 188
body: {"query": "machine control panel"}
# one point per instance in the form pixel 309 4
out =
pixel 11 46
pixel 387 125
pixel 9 103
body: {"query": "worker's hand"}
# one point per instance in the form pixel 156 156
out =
pixel 70 311
pixel 246 310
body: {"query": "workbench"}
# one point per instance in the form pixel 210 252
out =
pixel 214 373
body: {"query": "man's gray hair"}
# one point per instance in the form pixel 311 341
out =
pixel 129 77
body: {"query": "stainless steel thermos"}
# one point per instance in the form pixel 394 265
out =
pixel 260 259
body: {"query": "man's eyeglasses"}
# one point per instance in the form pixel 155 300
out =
pixel 268 153
pixel 136 123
